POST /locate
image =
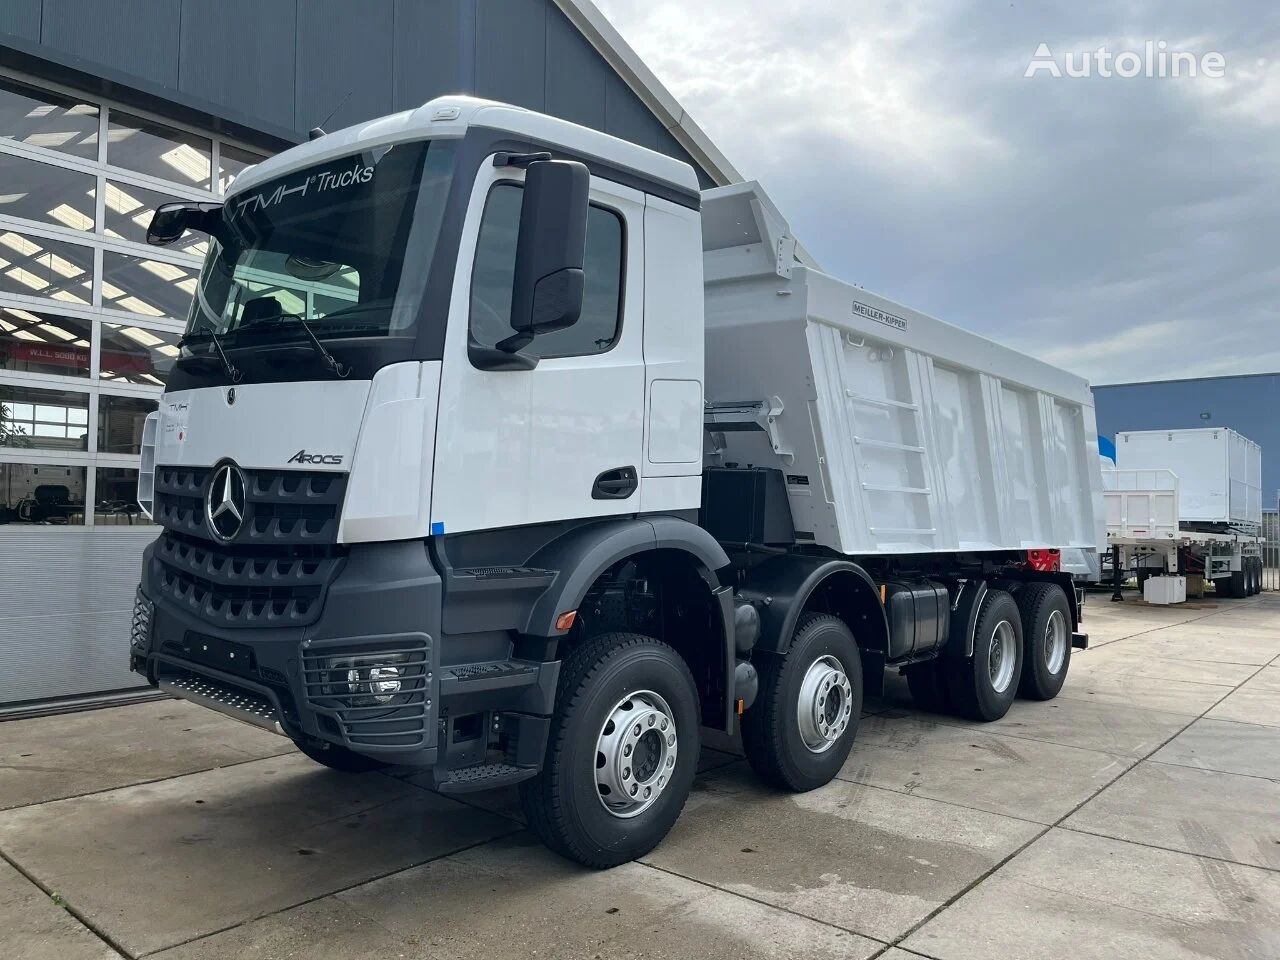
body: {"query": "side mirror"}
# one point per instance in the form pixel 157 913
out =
pixel 171 220
pixel 546 291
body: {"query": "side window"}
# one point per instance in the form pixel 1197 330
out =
pixel 597 328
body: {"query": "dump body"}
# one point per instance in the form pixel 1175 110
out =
pixel 897 433
pixel 1219 471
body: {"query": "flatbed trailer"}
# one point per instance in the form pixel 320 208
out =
pixel 1147 538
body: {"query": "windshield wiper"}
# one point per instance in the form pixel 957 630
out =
pixel 329 359
pixel 232 370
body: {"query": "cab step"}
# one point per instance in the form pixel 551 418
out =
pixel 484 776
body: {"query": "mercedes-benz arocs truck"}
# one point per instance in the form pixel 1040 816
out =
pixel 496 448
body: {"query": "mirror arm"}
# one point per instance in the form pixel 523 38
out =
pixel 495 358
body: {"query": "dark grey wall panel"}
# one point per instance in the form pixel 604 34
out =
pixel 575 73
pixel 269 70
pixel 240 52
pixel 21 18
pixel 344 50
pixel 511 51
pixel 139 37
pixel 435 44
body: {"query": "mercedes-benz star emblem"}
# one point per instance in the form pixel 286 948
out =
pixel 225 501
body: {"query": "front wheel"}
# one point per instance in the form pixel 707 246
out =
pixel 622 751
pixel 798 733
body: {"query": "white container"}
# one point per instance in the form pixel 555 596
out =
pixel 1168 589
pixel 1219 471
pixel 897 432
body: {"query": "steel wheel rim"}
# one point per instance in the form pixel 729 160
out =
pixel 635 754
pixel 1055 642
pixel 824 708
pixel 1002 657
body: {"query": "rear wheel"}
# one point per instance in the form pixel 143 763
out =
pixel 622 751
pixel 338 758
pixel 798 733
pixel 1255 574
pixel 983 686
pixel 1046 640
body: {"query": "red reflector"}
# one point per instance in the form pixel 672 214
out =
pixel 1046 561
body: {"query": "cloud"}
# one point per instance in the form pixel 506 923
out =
pixel 1124 229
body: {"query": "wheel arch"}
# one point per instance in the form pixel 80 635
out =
pixel 785 588
pixel 685 561
pixel 582 555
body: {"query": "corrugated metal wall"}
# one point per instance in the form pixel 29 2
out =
pixel 284 65
pixel 67 600
pixel 1246 404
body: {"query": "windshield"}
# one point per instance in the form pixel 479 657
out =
pixel 327 244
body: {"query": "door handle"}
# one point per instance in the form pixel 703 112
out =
pixel 616 484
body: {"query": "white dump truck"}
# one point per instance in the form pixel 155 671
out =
pixel 1184 508
pixel 497 448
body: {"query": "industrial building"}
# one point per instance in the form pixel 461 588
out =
pixel 100 121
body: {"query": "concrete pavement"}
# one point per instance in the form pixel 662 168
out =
pixel 1137 815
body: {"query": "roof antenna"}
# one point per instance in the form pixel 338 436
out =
pixel 316 132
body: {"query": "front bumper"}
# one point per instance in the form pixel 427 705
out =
pixel 313 682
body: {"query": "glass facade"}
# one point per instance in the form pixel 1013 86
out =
pixel 90 316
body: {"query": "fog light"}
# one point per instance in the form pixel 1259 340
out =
pixel 365 684
pixel 385 682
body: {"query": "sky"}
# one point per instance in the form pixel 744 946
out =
pixel 1123 228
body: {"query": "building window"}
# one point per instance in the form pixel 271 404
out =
pixel 46 193
pixel 233 161
pixel 42 493
pixel 40 267
pixel 32 419
pixel 120 421
pixel 90 315
pixel 116 500
pixel 33 342
pixel 127 211
pixel 153 288
pixel 156 150
pixel 133 354
pixel 40 118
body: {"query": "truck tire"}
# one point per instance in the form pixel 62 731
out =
pixel 606 793
pixel 983 686
pixel 1046 643
pixel 1222 586
pixel 1255 576
pixel 800 730
pixel 338 758
pixel 928 686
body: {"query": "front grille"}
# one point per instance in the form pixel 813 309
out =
pixel 247 585
pixel 339 681
pixel 281 506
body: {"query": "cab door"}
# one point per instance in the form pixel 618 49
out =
pixel 565 439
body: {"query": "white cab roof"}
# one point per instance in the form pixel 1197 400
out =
pixel 451 117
